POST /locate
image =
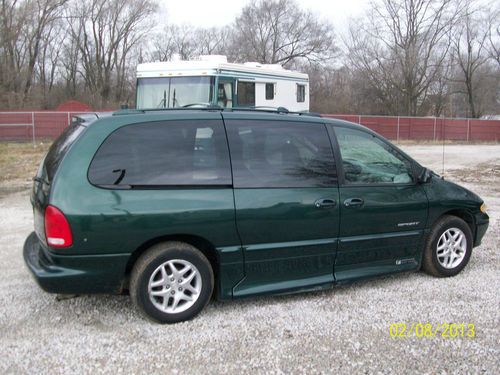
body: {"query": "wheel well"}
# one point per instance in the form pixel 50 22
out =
pixel 205 246
pixel 465 216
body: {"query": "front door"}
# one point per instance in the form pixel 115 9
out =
pixel 383 209
pixel 286 199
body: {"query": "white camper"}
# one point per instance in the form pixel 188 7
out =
pixel 212 81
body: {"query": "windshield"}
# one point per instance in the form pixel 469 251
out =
pixel 164 92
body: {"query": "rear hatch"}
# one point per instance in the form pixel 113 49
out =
pixel 48 169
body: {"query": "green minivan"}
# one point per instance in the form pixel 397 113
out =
pixel 177 206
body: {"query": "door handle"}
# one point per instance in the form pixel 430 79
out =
pixel 325 203
pixel 354 202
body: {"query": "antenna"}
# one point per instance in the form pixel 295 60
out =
pixel 443 132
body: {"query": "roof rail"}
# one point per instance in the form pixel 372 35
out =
pixel 257 109
pixel 312 114
pixel 140 111
pixel 279 110
pixel 272 110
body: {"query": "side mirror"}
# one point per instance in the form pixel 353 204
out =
pixel 424 176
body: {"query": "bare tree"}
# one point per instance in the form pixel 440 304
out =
pixel 24 34
pixel 188 42
pixel 175 39
pixel 105 32
pixel 42 15
pixel 494 35
pixel 10 25
pixel 69 64
pixel 404 57
pixel 213 41
pixel 469 42
pixel 48 66
pixel 184 41
pixel 163 45
pixel 439 92
pixel 278 31
pixel 402 48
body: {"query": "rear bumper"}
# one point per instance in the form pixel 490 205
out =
pixel 71 274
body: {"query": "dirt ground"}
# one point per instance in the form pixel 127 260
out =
pixel 18 163
pixel 343 330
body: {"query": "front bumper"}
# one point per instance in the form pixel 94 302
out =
pixel 482 222
pixel 74 274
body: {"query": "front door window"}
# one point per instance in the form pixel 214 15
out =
pixel 368 160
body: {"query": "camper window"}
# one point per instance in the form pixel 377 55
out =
pixel 301 93
pixel 246 93
pixel 269 91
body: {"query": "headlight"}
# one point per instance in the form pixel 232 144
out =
pixel 483 208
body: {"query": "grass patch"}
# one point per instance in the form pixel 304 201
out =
pixel 18 164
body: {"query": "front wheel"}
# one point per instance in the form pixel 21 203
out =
pixel 171 282
pixel 448 248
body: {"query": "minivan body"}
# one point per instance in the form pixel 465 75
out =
pixel 272 202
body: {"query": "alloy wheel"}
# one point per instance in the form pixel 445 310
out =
pixel 174 286
pixel 451 248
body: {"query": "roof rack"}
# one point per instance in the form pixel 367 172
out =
pixel 282 110
pixel 265 109
pixel 140 111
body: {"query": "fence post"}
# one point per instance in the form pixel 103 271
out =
pixel 33 126
pixel 359 119
pixel 434 136
pixel 68 119
pixel 443 128
pixel 398 131
pixel 468 129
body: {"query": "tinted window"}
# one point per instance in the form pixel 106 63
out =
pixel 368 160
pixel 280 154
pixel 246 93
pixel 59 149
pixel 163 153
pixel 301 93
pixel 269 91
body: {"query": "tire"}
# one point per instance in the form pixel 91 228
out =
pixel 448 248
pixel 161 293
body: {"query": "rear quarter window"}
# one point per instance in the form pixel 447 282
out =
pixel 161 154
pixel 59 149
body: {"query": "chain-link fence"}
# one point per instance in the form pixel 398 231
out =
pixel 47 125
pixel 428 128
pixel 33 126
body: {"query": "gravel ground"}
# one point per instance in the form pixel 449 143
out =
pixel 344 330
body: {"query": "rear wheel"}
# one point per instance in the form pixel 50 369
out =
pixel 171 282
pixel 448 248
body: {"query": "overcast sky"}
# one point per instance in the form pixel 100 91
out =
pixel 207 13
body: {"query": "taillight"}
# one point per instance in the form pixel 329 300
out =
pixel 57 229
